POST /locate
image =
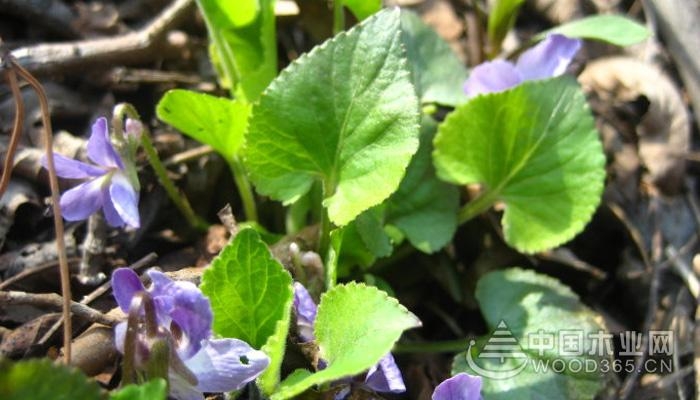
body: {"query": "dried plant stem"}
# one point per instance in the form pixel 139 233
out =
pixel 16 131
pixel 57 218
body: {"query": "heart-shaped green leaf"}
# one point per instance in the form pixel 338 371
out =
pixel 356 325
pixel 437 73
pixel 215 121
pixel 251 295
pixel 553 332
pixel 534 147
pixel 346 114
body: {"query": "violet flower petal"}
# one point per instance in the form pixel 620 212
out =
pixel 125 284
pixel 181 389
pixel 124 199
pixel 81 201
pixel 460 387
pixel 493 76
pixel 223 365
pixel 120 336
pixel 385 376
pixel 185 305
pixel 72 169
pixel 549 58
pixel 305 310
pixel 100 149
pixel 111 215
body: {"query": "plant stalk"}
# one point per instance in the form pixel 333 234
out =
pixel 477 206
pixel 244 188
pixel 180 201
pixel 338 17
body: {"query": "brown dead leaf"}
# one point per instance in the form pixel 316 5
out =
pixel 19 342
pixel 662 132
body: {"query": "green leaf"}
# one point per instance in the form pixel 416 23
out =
pixel 437 73
pixel 345 114
pixel 615 29
pixel 501 19
pixel 274 347
pixel 356 325
pixel 363 8
pixel 370 226
pixel 215 121
pixel 536 304
pixel 354 251
pixel 424 208
pixel 242 34
pixel 152 390
pixel 42 379
pixel 534 147
pixel 249 290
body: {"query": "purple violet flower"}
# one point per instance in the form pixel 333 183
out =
pixel 547 59
pixel 184 318
pixel 108 186
pixel 383 377
pixel 460 387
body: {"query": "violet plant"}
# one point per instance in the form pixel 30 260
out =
pixel 347 138
pixel 108 187
pixel 364 157
pixel 180 320
pixel 112 182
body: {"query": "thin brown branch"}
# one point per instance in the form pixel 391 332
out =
pixel 129 48
pixel 54 301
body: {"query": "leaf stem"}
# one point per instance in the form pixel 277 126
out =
pixel 338 16
pixel 447 346
pixel 180 201
pixel 244 188
pixel 477 206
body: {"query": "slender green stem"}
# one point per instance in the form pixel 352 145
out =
pixel 327 246
pixel 338 16
pixel 448 346
pixel 477 206
pixel 244 188
pixel 180 201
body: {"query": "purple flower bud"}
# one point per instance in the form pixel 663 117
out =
pixel 184 319
pixel 547 59
pixel 107 185
pixel 133 129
